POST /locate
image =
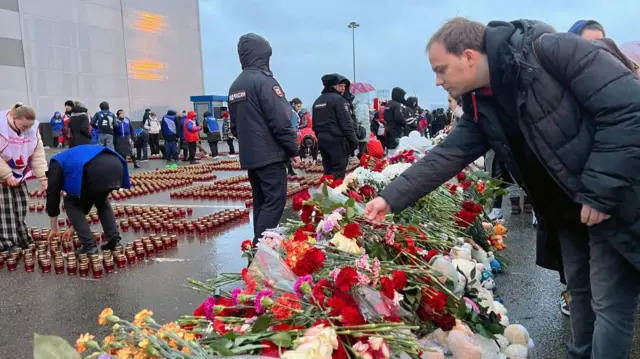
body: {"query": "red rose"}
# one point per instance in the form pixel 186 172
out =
pixel 468 205
pixel 356 196
pixel 437 301
pixel 311 262
pixel 425 313
pixel 346 278
pixel 399 279
pixel 461 176
pixel 352 230
pixel 477 208
pixel 430 254
pixel 368 191
pixel 446 322
pixel 379 166
pixel 465 184
pixel 388 288
pixel 271 350
pixel 336 183
pixel 351 316
pixel 453 189
pixel 326 178
pixel 246 245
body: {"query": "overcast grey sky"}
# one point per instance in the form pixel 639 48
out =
pixel 311 38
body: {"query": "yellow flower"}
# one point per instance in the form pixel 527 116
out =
pixel 102 318
pixel 144 343
pixel 345 244
pixel 138 320
pixel 141 355
pixel 186 350
pixel 189 336
pixel 126 353
pixel 173 344
pixel 81 343
pixel 108 339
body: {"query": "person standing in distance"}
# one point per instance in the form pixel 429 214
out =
pixel 563 114
pixel 333 125
pixel 261 120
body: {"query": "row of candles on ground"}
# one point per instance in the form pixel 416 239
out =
pixel 138 250
pixel 236 187
pixel 201 172
pixel 159 223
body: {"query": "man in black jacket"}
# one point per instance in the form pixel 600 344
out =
pixel 333 125
pixel 394 116
pixel 412 115
pixel 563 114
pixel 261 120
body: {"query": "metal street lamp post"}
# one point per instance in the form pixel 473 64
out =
pixel 352 25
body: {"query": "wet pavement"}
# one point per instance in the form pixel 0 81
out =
pixel 68 306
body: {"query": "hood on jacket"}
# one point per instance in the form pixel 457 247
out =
pixel 398 94
pixel 412 101
pixel 254 51
pixel 578 27
pixel 191 115
pixel 79 108
pixel 56 113
pixel 171 113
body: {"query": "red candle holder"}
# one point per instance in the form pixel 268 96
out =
pixel 29 266
pixel 109 268
pixel 189 211
pixel 61 222
pixel 136 227
pixel 58 266
pixel 140 254
pixel 174 241
pixel 124 226
pixel 32 207
pixel 72 269
pixel 40 207
pixel 159 245
pixel 131 257
pixel 12 265
pixel 46 266
pixel 97 273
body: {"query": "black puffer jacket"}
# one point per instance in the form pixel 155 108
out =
pixel 394 115
pixel 79 126
pixel 260 113
pixel 578 109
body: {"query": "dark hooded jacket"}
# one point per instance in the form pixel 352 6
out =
pixel 79 126
pixel 563 114
pixel 260 114
pixel 332 112
pixel 394 115
pixel 412 114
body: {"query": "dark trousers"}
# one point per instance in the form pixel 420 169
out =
pixel 170 150
pixel 191 146
pixel 77 209
pixel 154 143
pixel 604 287
pixel 232 150
pixel 185 150
pixel 334 155
pixel 213 145
pixel 269 187
pixel 142 152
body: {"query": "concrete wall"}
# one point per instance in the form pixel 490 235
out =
pixel 135 54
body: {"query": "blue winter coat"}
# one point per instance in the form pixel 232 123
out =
pixel 56 123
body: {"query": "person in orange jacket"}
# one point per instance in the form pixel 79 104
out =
pixel 191 135
pixel 374 146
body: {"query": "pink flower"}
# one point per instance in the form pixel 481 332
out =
pixel 234 295
pixel 363 279
pixel 303 285
pixel 263 294
pixel 334 273
pixel 208 308
pixel 390 237
pixel 363 262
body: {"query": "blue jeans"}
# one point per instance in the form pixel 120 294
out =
pixel 604 288
pixel 171 150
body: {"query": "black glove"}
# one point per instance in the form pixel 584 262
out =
pixel 353 146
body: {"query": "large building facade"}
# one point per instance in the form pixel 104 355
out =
pixel 135 54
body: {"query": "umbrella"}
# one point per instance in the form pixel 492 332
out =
pixel 361 87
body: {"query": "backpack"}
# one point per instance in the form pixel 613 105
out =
pixel 105 122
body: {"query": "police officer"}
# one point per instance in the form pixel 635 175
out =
pixel 261 120
pixel 333 125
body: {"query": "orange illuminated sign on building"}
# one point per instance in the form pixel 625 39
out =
pixel 146 70
pixel 149 22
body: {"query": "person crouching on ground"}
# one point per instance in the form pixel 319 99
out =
pixel 191 132
pixel 124 137
pixel 212 129
pixel 87 174
pixel 22 157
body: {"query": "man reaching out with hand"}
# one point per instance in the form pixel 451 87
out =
pixel 563 113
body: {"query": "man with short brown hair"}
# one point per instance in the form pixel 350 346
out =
pixel 563 114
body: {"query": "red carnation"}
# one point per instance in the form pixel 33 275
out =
pixel 318 291
pixel 465 184
pixel 340 353
pixel 425 313
pixel 368 191
pixel 437 301
pixel 356 196
pixel 336 304
pixel 379 166
pixel 468 205
pixel 352 230
pixel 336 183
pixel 446 322
pixel 399 279
pixel 326 178
pixel 477 208
pixel 311 262
pixel 346 278
pixel 351 316
pixel 411 246
pixel 453 189
pixel 307 211
pixel 270 350
pixel 300 235
pixel 299 199
pixel 246 245
pixel 430 254
pixel 461 176
pixel 388 288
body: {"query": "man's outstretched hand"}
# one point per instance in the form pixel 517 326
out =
pixel 377 209
pixel 591 216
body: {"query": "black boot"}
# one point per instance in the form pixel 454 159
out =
pixel 110 245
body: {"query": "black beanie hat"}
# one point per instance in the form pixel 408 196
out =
pixel 329 80
pixel 68 103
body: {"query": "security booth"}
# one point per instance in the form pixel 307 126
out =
pixel 212 103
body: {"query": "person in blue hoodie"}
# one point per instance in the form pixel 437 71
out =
pixel 212 129
pixel 57 122
pixel 170 135
pixel 588 29
pixel 180 119
pixel 124 137
pixel 87 174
